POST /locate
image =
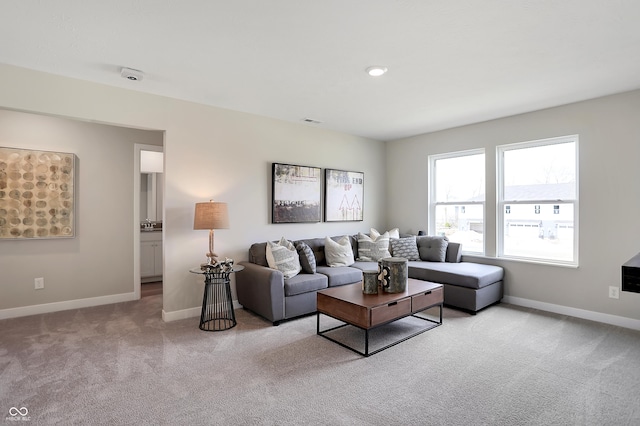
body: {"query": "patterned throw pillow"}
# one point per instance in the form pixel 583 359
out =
pixel 405 247
pixel 307 258
pixel 372 250
pixel 338 253
pixel 283 257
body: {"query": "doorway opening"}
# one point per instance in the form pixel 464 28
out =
pixel 148 220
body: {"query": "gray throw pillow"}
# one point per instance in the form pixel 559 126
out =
pixel 307 258
pixel 405 247
pixel 433 249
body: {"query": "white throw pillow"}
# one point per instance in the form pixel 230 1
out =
pixel 338 253
pixel 283 256
pixel 372 250
pixel 393 233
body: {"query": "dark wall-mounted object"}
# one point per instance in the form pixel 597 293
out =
pixel 295 193
pixel 631 275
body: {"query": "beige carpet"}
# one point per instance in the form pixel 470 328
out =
pixel 120 364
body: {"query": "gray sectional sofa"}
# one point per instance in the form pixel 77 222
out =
pixel 264 291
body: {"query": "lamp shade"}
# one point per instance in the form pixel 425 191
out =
pixel 211 215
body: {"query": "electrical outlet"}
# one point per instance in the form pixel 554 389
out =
pixel 39 283
pixel 614 292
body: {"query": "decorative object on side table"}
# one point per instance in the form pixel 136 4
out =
pixel 217 307
pixel 211 215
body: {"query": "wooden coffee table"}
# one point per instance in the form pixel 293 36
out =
pixel 368 311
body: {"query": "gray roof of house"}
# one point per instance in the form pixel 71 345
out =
pixel 556 191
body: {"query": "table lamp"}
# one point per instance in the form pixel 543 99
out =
pixel 211 215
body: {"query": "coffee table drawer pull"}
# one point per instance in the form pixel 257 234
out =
pixel 426 299
pixel 392 303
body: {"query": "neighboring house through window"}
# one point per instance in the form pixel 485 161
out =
pixel 538 200
pixel 456 198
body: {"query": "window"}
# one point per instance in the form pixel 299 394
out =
pixel 456 198
pixel 538 190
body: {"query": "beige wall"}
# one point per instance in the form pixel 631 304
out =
pixel 609 229
pixel 99 260
pixel 210 153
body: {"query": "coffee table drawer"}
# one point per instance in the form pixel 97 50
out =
pixel 426 299
pixel 390 311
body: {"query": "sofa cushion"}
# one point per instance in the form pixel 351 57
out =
pixel 283 257
pixel 373 249
pixel 307 258
pixel 258 254
pixel 393 233
pixel 304 283
pixel 405 247
pixel 341 275
pixel 454 252
pixel 464 274
pixel 365 266
pixel 317 247
pixel 338 253
pixel 432 249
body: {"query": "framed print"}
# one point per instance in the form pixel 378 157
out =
pixel 37 194
pixel 296 195
pixel 344 196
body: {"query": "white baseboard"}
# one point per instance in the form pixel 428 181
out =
pixel 181 314
pixel 188 313
pixel 574 312
pixel 45 308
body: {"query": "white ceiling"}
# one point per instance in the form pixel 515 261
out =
pixel 451 62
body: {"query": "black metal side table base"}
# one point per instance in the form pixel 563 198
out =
pixel 217 324
pixel 217 307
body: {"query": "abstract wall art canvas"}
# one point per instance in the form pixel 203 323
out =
pixel 344 196
pixel 37 194
pixel 296 193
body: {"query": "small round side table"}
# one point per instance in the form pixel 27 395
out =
pixel 217 307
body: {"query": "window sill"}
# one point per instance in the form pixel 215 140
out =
pixel 518 260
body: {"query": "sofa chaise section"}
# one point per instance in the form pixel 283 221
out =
pixel 467 285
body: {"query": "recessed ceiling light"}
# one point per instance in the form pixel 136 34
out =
pixel 376 71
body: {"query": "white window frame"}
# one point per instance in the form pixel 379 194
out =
pixel 501 202
pixel 432 196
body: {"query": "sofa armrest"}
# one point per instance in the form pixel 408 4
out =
pixel 261 290
pixel 454 253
